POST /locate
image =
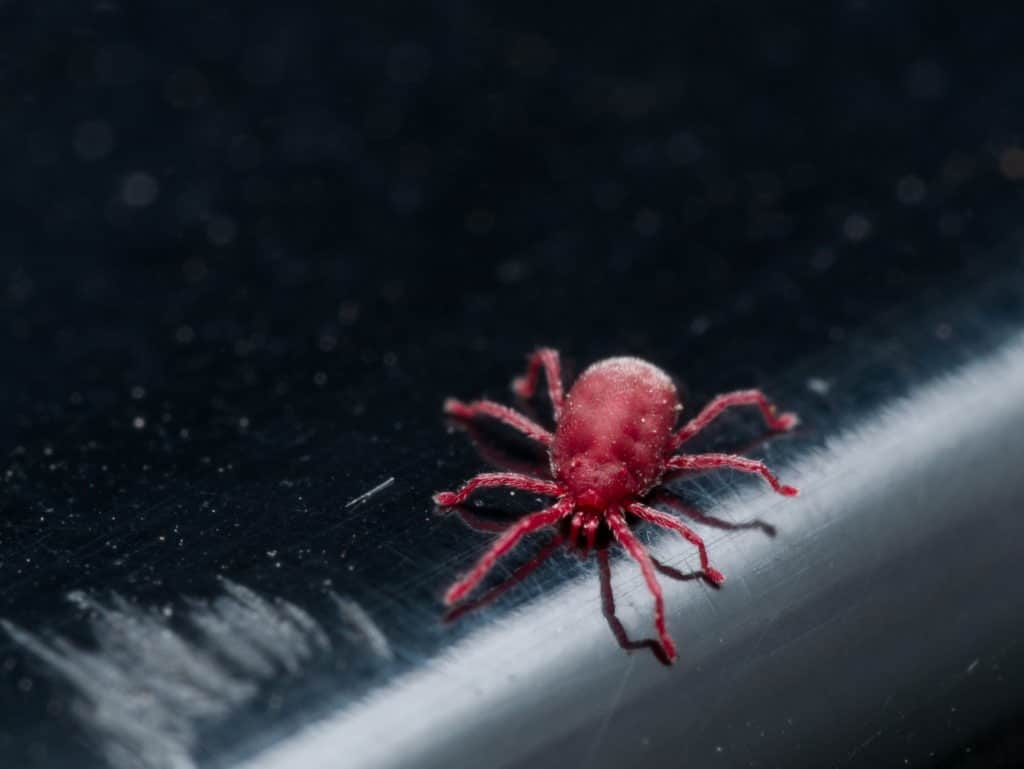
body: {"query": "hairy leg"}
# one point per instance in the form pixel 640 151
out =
pixel 659 518
pixel 719 404
pixel 503 414
pixel 526 385
pixel 498 480
pixel 715 461
pixel 633 546
pixel 504 543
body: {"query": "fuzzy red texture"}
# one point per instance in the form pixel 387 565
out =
pixel 614 442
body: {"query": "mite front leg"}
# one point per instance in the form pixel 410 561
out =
pixel 719 404
pixel 503 544
pixel 715 461
pixel 503 414
pixel 526 385
pixel 498 480
pixel 633 546
pixel 659 518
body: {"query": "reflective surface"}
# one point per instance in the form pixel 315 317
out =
pixel 882 620
pixel 241 274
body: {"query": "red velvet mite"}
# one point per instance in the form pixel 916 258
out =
pixel 615 439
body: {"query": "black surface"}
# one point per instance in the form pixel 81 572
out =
pixel 247 253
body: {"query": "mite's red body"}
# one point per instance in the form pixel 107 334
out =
pixel 614 442
pixel 615 433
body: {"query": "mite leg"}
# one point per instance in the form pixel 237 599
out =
pixel 714 461
pixel 526 385
pixel 503 544
pixel 504 414
pixel 772 417
pixel 498 480
pixel 659 518
pixel 633 546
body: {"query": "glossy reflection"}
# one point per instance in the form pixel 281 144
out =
pixel 857 605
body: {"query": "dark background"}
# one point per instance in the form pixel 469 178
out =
pixel 246 251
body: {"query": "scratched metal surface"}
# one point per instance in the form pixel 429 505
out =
pixel 246 252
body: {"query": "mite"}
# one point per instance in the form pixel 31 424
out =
pixel 614 442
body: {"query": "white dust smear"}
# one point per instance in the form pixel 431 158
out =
pixel 144 689
pixel 362 627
